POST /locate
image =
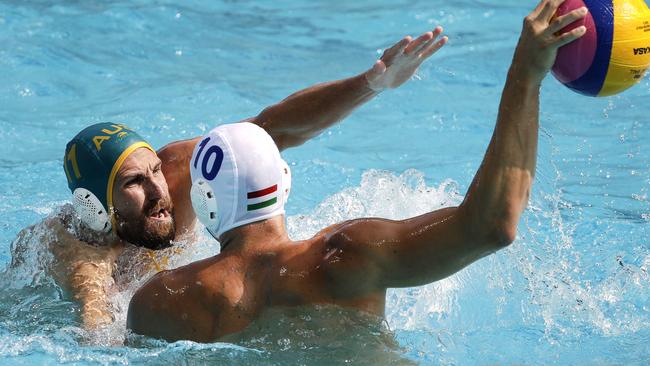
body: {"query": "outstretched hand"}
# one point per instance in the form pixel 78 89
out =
pixel 400 62
pixel 542 36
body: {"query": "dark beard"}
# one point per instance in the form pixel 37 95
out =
pixel 145 233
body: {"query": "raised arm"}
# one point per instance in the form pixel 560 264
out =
pixel 382 253
pixel 308 112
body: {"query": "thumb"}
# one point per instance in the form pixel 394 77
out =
pixel 379 68
pixel 373 76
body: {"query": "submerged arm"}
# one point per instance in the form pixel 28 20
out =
pixel 89 283
pixel 87 273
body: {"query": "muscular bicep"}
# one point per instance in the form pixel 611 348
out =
pixel 410 252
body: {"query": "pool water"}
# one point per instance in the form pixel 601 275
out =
pixel 574 288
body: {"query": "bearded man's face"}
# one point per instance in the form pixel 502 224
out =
pixel 143 209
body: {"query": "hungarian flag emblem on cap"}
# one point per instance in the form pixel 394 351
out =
pixel 262 198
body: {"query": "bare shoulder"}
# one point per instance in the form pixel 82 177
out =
pixel 344 235
pixel 332 251
pixel 315 247
pixel 360 232
pixel 177 150
pixel 351 260
pixel 171 285
pixel 178 304
pixel 175 158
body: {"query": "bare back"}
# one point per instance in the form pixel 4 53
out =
pixel 353 263
pixel 221 295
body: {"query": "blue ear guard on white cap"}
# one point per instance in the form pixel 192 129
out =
pixel 238 177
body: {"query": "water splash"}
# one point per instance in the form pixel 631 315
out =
pixel 537 292
pixel 380 194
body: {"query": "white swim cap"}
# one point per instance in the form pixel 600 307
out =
pixel 238 177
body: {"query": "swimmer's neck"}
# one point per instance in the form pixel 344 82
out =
pixel 256 236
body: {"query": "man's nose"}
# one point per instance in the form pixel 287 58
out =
pixel 155 189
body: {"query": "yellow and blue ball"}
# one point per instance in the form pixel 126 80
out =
pixel 613 55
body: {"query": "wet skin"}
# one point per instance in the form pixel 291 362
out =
pixel 221 295
pixel 305 114
pixel 351 264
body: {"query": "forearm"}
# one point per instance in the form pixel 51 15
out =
pixel 308 112
pixel 500 190
pixel 95 314
pixel 89 284
pixel 84 271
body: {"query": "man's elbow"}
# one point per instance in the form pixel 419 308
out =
pixel 504 234
pixel 495 236
pixel 507 223
pixel 495 232
pixel 495 227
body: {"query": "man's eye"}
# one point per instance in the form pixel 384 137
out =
pixel 132 182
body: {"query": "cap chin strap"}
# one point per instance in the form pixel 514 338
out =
pixel 204 204
pixel 90 210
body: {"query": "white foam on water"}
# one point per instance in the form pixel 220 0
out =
pixel 387 195
pixel 562 292
pixel 63 349
pixel 539 277
pixel 380 194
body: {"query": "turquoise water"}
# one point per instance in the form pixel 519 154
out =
pixel 573 288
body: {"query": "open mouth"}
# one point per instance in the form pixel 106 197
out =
pixel 161 214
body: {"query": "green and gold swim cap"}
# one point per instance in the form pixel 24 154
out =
pixel 91 162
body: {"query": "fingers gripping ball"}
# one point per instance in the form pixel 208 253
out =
pixel 614 53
